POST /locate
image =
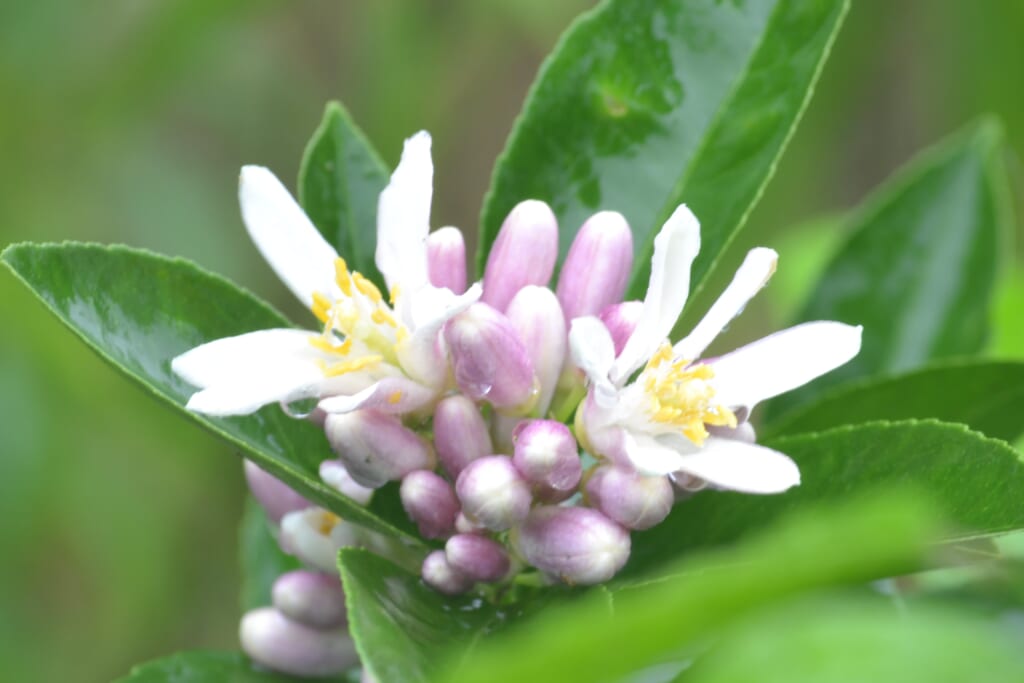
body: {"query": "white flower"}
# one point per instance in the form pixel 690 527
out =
pixel 659 422
pixel 368 354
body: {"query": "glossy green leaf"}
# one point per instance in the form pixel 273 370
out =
pixel 204 667
pixel 139 310
pixel 976 482
pixel 649 103
pixel 339 182
pixel 919 269
pixel 987 396
pixel 824 547
pixel 262 560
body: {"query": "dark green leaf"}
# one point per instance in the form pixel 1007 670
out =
pixel 824 547
pixel 987 396
pixel 976 481
pixel 261 558
pixel 139 310
pixel 339 182
pixel 648 103
pixel 203 667
pixel 919 270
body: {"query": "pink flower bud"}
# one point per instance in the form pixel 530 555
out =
pixel 632 500
pixel 376 447
pixel 315 536
pixel 491 364
pixel 621 320
pixel 523 254
pixel 547 456
pixel 274 495
pixel 578 545
pixel 493 492
pixel 430 502
pixel 446 259
pixel 464 525
pixel 442 577
pixel 596 269
pixel 276 642
pixel 478 557
pixel 335 474
pixel 310 598
pixel 460 433
pixel 537 317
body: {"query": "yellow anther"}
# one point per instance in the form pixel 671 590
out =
pixel 328 520
pixel 367 288
pixel 342 277
pixel 393 293
pixel 401 334
pixel 353 365
pixel 680 396
pixel 395 397
pixel 382 317
pixel 663 354
pixel 324 344
pixel 321 307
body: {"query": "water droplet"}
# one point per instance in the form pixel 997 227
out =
pixel 301 409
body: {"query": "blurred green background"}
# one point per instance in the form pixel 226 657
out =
pixel 128 123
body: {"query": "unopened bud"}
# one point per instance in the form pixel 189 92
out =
pixel 276 497
pixel 490 362
pixel 596 269
pixel 446 259
pixel 464 525
pixel 523 254
pixel 478 557
pixel 442 577
pixel 336 475
pixel 629 498
pixel 684 485
pixel 493 492
pixel 310 598
pixel 547 456
pixel 537 318
pixel 315 536
pixel 575 544
pixel 376 447
pixel 276 642
pixel 460 433
pixel 621 320
pixel 430 502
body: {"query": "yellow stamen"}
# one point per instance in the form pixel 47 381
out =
pixel 324 344
pixel 328 520
pixel 393 293
pixel 382 317
pixel 342 277
pixel 352 365
pixel 680 396
pixel 321 307
pixel 395 397
pixel 366 287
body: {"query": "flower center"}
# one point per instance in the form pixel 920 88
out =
pixel 680 395
pixel 359 315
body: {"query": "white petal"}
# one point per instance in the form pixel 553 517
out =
pixel 395 395
pixel 650 456
pixel 753 274
pixel 593 352
pixel 741 466
pixel 429 309
pixel 403 216
pixel 783 361
pixel 675 247
pixel 289 242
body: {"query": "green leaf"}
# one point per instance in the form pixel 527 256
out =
pixel 648 103
pixel 824 547
pixel 262 560
pixel 339 182
pixel 987 396
pixel 203 667
pixel 139 310
pixel 919 269
pixel 975 481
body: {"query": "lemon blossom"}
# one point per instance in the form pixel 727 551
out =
pixel 368 354
pixel 676 416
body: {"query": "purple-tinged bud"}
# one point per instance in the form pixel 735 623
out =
pixel 621 320
pixel 276 497
pixel 376 447
pixel 460 433
pixel 464 525
pixel 596 269
pixel 684 485
pixel 446 259
pixel 547 456
pixel 478 557
pixel 575 544
pixel 523 254
pixel 537 316
pixel 490 362
pixel 315 536
pixel 430 502
pixel 631 499
pixel 493 492
pixel 310 598
pixel 336 475
pixel 276 642
pixel 442 577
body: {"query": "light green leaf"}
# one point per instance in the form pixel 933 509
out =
pixel 987 396
pixel 648 103
pixel 203 667
pixel 339 182
pixel 262 560
pixel 139 310
pixel 975 481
